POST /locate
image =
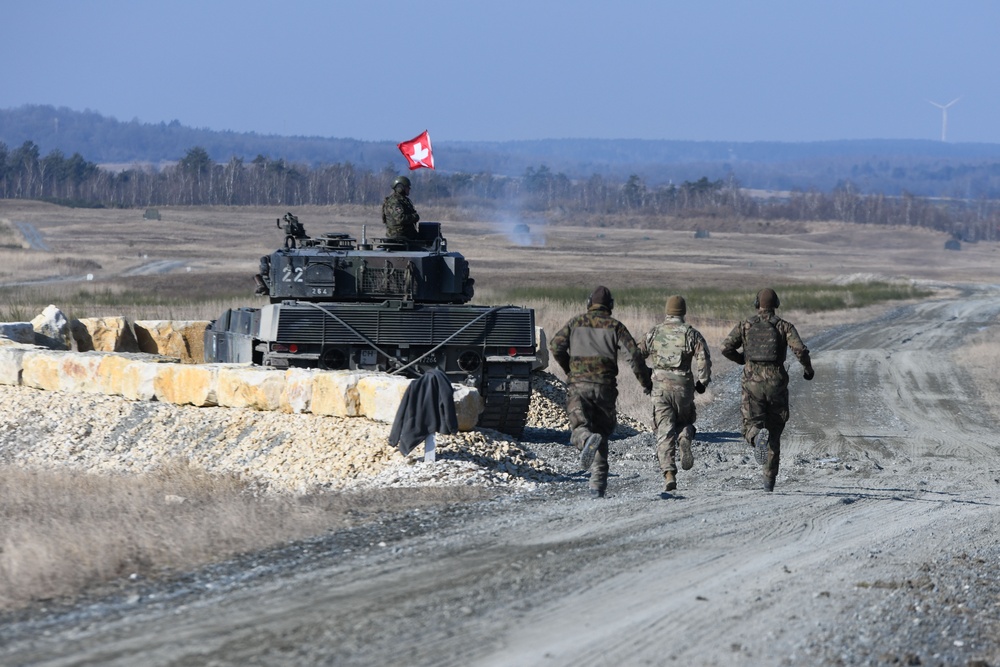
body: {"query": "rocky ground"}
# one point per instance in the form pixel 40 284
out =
pixel 272 451
pixel 877 547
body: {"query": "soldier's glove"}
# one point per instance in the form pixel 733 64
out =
pixel 647 390
pixel 699 387
pixel 735 356
pixel 809 373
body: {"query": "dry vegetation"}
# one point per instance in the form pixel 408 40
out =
pixel 63 532
pixel 981 357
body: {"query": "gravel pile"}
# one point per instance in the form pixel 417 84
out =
pixel 272 451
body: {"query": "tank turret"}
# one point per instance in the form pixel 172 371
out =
pixel 333 267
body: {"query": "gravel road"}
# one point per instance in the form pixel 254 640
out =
pixel 878 546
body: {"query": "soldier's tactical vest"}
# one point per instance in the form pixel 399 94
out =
pixel 764 342
pixel 667 346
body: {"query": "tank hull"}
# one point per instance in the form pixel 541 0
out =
pixel 491 348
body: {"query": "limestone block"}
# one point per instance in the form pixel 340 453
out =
pixel 79 372
pixel 247 387
pixel 111 373
pixel 52 330
pixel 183 339
pixel 104 334
pixel 297 394
pixel 379 396
pixel 336 393
pixel 42 369
pixel 187 384
pixel 61 371
pixel 11 362
pixel 468 405
pixel 18 332
pixel 138 379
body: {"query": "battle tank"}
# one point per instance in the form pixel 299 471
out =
pixel 394 305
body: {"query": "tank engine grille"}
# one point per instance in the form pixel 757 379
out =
pixel 427 326
pixel 389 281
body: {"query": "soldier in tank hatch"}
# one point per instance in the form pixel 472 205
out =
pixel 587 350
pixel 765 340
pixel 398 213
pixel 672 348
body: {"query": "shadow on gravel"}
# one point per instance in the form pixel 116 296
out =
pixel 719 436
pixel 561 435
pixel 547 435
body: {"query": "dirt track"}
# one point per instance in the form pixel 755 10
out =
pixel 878 545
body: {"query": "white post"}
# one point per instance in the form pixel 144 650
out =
pixel 430 444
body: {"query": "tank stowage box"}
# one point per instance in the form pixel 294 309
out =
pixel 396 306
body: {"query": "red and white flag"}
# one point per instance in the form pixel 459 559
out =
pixel 417 151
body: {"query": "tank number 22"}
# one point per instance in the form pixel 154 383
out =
pixel 291 275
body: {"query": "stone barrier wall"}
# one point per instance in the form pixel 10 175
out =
pixel 159 361
pixel 141 377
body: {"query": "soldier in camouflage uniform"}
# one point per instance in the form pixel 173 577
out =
pixel 670 348
pixel 398 213
pixel 587 350
pixel 765 339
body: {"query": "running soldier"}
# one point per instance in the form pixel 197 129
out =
pixel 671 347
pixel 587 350
pixel 765 339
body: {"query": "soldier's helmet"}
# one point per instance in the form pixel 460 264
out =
pixel 767 299
pixel 676 306
pixel 401 180
pixel 601 296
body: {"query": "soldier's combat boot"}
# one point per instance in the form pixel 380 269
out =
pixel 760 446
pixel 589 450
pixel 687 458
pixel 669 481
pixel 768 483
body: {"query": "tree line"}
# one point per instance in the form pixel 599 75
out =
pixel 196 179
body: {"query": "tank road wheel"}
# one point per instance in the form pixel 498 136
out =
pixel 506 395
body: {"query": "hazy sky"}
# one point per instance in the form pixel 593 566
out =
pixel 747 70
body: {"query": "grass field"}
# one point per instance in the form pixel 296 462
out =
pixel 64 532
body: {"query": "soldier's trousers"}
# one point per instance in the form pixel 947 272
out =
pixel 591 408
pixel 765 405
pixel 674 415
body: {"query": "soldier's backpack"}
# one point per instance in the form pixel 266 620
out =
pixel 764 342
pixel 667 346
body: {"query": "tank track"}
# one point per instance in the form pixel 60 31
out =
pixel 506 395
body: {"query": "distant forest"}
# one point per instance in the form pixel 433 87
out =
pixel 196 179
pixel 948 187
pixel 889 167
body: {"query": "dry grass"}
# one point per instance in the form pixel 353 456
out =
pixel 9 238
pixel 980 356
pixel 65 532
pixel 216 251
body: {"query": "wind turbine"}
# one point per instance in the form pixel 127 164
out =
pixel 944 116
